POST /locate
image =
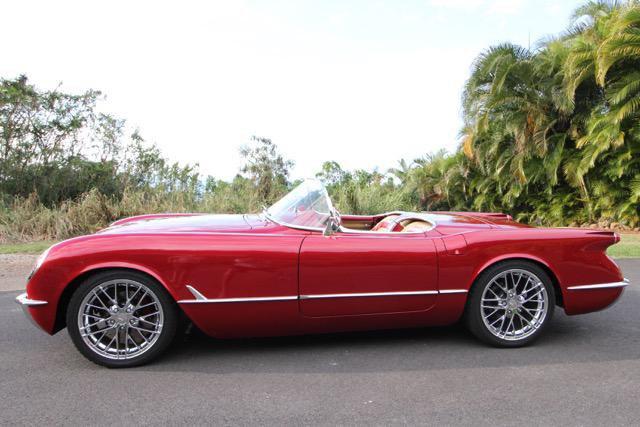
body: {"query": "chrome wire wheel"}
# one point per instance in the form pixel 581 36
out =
pixel 514 304
pixel 120 319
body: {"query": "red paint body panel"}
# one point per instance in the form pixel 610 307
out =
pixel 367 263
pixel 236 256
pixel 574 257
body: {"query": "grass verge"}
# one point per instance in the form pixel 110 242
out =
pixel 628 247
pixel 25 248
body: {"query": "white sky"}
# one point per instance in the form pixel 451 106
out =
pixel 364 83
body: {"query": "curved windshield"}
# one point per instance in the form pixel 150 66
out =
pixel 308 206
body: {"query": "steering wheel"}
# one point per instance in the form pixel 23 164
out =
pixel 397 222
pixel 394 222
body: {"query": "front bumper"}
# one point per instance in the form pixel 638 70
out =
pixel 25 303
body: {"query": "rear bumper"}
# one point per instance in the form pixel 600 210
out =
pixel 622 284
pixel 592 297
pixel 26 303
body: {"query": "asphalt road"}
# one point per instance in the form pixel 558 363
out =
pixel 584 371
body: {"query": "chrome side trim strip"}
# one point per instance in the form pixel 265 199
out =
pixel 202 299
pixel 23 300
pixel 196 294
pixel 368 294
pixel 226 300
pixel 622 284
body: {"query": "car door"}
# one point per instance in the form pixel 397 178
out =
pixel 367 273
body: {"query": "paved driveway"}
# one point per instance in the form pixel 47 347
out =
pixel 585 371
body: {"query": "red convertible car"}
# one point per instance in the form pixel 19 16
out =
pixel 301 267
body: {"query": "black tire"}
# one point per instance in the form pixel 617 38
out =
pixel 159 342
pixel 475 321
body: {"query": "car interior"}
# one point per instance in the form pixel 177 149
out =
pixel 386 223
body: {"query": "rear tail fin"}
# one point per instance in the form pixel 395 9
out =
pixel 600 240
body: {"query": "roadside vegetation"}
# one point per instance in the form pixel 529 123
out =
pixel 551 136
pixel 25 248
pixel 628 247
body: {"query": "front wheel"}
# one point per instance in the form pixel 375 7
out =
pixel 121 319
pixel 510 304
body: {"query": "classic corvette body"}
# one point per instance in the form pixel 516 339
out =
pixel 301 268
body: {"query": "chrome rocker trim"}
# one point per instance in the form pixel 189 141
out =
pixel 622 284
pixel 368 294
pixel 201 299
pixel 227 300
pixel 452 291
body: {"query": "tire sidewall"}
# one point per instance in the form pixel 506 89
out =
pixel 473 312
pixel 161 344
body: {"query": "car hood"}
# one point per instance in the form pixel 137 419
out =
pixel 186 223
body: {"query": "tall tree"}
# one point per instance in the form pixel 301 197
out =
pixel 267 168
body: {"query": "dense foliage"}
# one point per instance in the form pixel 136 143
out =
pixel 59 147
pixel 551 135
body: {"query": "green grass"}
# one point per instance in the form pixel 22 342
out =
pixel 25 248
pixel 628 247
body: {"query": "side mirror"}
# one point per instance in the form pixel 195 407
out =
pixel 332 226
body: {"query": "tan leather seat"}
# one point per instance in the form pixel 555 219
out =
pixel 416 226
pixel 390 224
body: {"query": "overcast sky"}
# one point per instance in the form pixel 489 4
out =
pixel 364 83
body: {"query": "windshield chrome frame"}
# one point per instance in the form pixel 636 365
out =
pixel 265 212
pixel 286 224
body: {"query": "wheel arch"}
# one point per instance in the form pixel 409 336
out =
pixel 72 286
pixel 526 258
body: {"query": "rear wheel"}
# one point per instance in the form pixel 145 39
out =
pixel 121 319
pixel 510 304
